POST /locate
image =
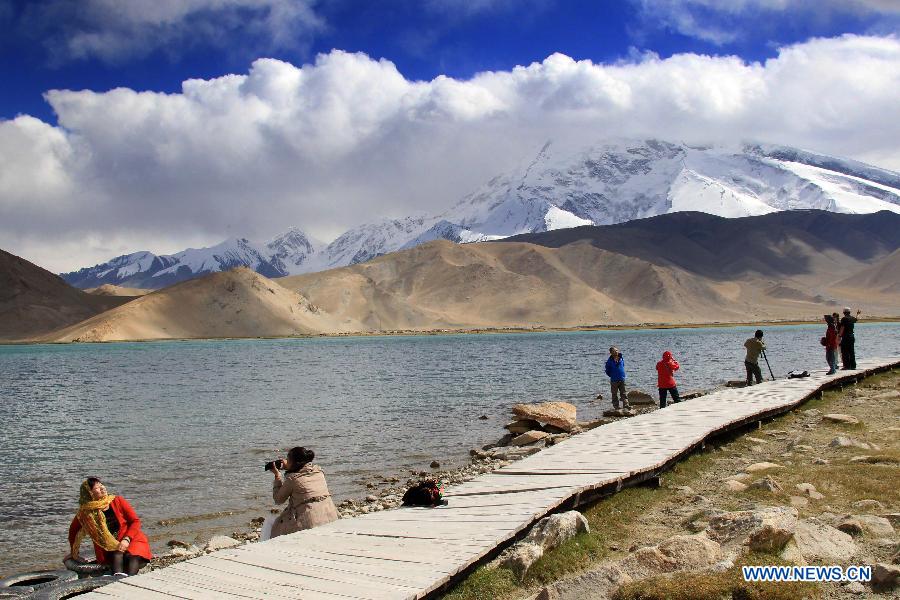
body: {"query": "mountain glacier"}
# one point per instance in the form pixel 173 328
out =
pixel 608 183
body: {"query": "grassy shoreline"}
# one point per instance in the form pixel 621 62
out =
pixel 800 441
pixel 476 331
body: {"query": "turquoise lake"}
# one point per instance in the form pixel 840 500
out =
pixel 182 429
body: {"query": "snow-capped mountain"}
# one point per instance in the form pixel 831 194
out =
pixel 290 251
pixel 604 184
pixel 284 255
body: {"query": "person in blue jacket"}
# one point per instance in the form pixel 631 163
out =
pixel 615 370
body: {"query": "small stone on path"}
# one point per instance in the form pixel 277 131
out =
pixel 868 504
pixel 767 483
pixel 855 588
pixel 809 490
pixel 846 442
pixel 221 542
pixel 841 418
pixel 734 485
pixel 799 501
pixel 762 466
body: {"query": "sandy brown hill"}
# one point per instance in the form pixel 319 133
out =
pixel 882 277
pixel 108 289
pixel 35 301
pixel 446 285
pixel 237 303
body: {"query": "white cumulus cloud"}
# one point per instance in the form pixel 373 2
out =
pixel 347 138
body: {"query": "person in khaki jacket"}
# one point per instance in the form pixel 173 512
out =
pixel 304 488
pixel 755 347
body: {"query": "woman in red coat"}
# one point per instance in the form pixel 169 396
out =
pixel 665 370
pixel 113 526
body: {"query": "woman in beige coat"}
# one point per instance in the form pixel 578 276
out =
pixel 303 487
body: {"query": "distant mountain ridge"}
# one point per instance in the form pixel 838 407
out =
pixel 685 267
pixel 609 183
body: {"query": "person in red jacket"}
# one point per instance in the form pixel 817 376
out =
pixel 830 341
pixel 665 370
pixel 112 525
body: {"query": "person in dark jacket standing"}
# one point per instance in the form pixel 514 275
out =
pixel 665 370
pixel 615 370
pixel 848 340
pixel 830 341
pixel 755 347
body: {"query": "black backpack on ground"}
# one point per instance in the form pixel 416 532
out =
pixel 424 493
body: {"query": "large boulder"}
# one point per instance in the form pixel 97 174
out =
pixel 597 583
pixel 885 577
pixel 522 426
pixel 520 557
pixel 559 414
pixel 529 437
pixel 691 552
pixel 767 529
pixel 546 535
pixel 511 453
pixel 875 526
pixel 648 561
pixel 817 542
pixel 552 531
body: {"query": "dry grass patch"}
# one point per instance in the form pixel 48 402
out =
pixel 716 586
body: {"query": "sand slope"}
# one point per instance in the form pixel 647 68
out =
pixel 237 303
pixel 445 285
pixel 34 301
pixel 882 277
pixel 108 289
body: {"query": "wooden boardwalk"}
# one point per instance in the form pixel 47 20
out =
pixel 415 552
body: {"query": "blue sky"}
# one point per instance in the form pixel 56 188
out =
pixel 165 124
pixel 422 38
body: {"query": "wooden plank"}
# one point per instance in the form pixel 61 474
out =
pixel 336 568
pixel 123 590
pixel 264 579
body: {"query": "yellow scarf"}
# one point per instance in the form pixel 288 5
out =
pixel 93 522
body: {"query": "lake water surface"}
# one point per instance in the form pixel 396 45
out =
pixel 182 429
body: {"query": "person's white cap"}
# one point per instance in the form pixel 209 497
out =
pixel 846 309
